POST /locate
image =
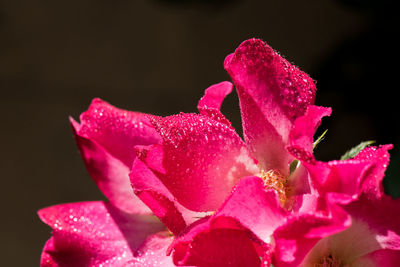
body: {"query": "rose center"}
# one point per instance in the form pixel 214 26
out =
pixel 274 180
pixel 329 261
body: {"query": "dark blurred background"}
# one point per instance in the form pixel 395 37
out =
pixel 157 56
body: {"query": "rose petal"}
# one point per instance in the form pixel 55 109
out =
pixel 305 126
pixel 381 217
pixel 117 130
pixel 372 184
pixel 374 227
pixel 159 199
pixel 202 160
pixel 254 207
pixel 109 173
pixel 153 252
pixel 383 257
pixel 94 233
pixel 347 179
pixel 216 244
pixel 299 234
pixel 249 216
pixel 272 94
pixel 210 104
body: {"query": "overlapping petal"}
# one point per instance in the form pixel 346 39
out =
pixel 210 103
pixel 117 130
pixel 245 222
pixel 298 236
pixel 106 139
pixel 344 180
pixel 372 183
pixel 95 234
pixel 272 93
pixel 227 202
pixel 202 159
pixel 159 199
pixel 373 235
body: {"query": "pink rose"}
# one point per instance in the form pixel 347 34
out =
pixel 225 201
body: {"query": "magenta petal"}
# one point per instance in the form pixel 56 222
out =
pixel 272 94
pixel 299 234
pixel 305 126
pixel 222 247
pixel 246 221
pixel 202 160
pixel 222 242
pixel 117 130
pixel 374 232
pixel 153 252
pixel 210 104
pixel 382 218
pixel 159 199
pixel 254 207
pixel 109 173
pixel 372 183
pixel 346 179
pixel 378 258
pixel 94 233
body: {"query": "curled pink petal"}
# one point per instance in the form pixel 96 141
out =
pixel 94 233
pixel 305 126
pixel 106 139
pixel 383 257
pixel 272 93
pixel 373 235
pixel 372 183
pixel 202 159
pixel 295 238
pixel 254 207
pixel 152 252
pixel 109 173
pixel 117 130
pixel 381 216
pixel 159 199
pixel 221 242
pixel 210 103
pixel 347 179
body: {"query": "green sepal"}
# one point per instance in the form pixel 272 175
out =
pixel 319 139
pixel 355 150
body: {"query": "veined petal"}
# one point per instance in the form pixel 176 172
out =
pixel 202 159
pixel 94 234
pixel 272 94
pixel 109 173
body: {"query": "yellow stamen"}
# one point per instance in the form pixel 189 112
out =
pixel 274 180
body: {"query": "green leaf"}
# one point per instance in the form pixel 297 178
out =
pixel 320 138
pixel 355 150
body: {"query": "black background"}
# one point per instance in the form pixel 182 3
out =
pixel 157 56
